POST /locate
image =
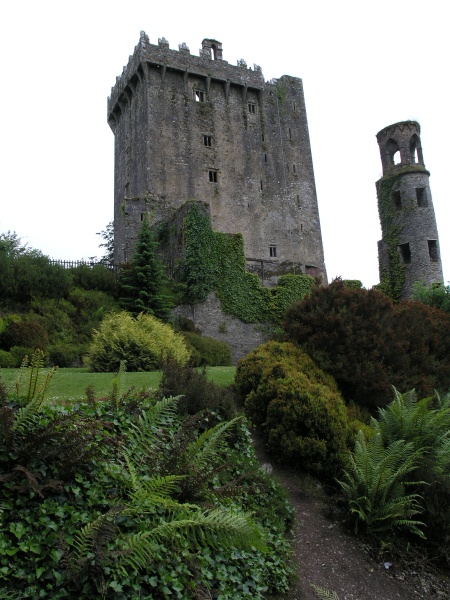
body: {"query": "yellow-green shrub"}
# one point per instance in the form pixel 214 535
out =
pixel 143 342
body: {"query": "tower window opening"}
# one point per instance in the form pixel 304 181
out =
pixel 200 96
pixel 293 106
pixel 298 199
pixel 127 190
pixel 396 158
pixel 290 134
pixel 294 169
pixel 272 251
pixel 265 158
pixel 262 137
pixel 397 198
pixel 421 195
pixel 433 250
pixel 252 108
pixel 261 185
pixel 405 253
pixel 142 216
pixel 212 176
pixel 207 141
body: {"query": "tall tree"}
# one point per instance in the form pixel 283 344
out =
pixel 107 236
pixel 141 283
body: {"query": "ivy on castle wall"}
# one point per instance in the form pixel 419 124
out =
pixel 215 261
pixel 392 279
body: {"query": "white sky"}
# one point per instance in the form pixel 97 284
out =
pixel 364 66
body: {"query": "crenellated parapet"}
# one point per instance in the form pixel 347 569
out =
pixel 209 65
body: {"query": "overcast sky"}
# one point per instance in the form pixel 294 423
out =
pixel 364 66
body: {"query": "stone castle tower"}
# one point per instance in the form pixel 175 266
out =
pixel 409 248
pixel 195 127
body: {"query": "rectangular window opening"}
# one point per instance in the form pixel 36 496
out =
pixel 262 137
pixel 265 158
pixel 127 190
pixel 212 176
pixel 293 106
pixel 433 250
pixel 261 185
pixel 207 141
pixel 252 108
pixel 421 195
pixel 405 253
pixel 290 134
pixel 397 198
pixel 294 169
pixel 273 251
pixel 200 96
pixel 298 199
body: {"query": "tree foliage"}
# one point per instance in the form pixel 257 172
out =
pixel 141 283
pixel 368 343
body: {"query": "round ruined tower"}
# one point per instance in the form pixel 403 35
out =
pixel 409 248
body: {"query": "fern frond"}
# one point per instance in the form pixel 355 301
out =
pixel 203 450
pixel 323 594
pixel 214 527
pixel 96 533
pixel 117 382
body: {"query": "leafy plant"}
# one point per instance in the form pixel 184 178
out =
pixel 143 342
pixel 374 485
pixel 368 343
pixel 323 594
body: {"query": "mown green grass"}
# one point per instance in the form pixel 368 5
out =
pixel 71 384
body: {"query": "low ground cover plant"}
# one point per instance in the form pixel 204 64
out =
pixel 125 498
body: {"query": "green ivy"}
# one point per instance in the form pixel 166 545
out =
pixel 215 261
pixel 391 280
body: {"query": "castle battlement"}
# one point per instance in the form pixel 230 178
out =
pixel 209 65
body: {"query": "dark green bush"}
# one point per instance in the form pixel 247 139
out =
pixel 368 343
pixel 7 360
pixel 97 277
pixel 198 393
pixel 28 331
pixel 208 350
pixel 299 407
pixel 66 355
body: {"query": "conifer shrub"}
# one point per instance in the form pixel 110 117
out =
pixel 299 407
pixel 143 342
pixel 368 343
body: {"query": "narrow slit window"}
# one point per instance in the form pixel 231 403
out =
pixel 265 158
pixel 252 108
pixel 127 190
pixel 433 250
pixel 293 106
pixel 405 253
pixel 262 137
pixel 212 176
pixel 272 251
pixel 421 195
pixel 294 170
pixel 397 198
pixel 290 134
pixel 207 141
pixel 142 216
pixel 298 199
pixel 261 185
pixel 200 96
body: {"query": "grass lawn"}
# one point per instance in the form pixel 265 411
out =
pixel 70 384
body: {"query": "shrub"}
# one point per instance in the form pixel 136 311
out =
pixel 97 277
pixel 436 295
pixel 301 411
pixel 65 355
pixel 7 360
pixel 28 332
pixel 367 343
pixel 143 342
pixel 208 350
pixel 196 391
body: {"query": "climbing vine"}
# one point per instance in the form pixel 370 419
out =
pixel 215 261
pixel 392 279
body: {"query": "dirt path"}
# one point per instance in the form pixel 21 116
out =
pixel 328 557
